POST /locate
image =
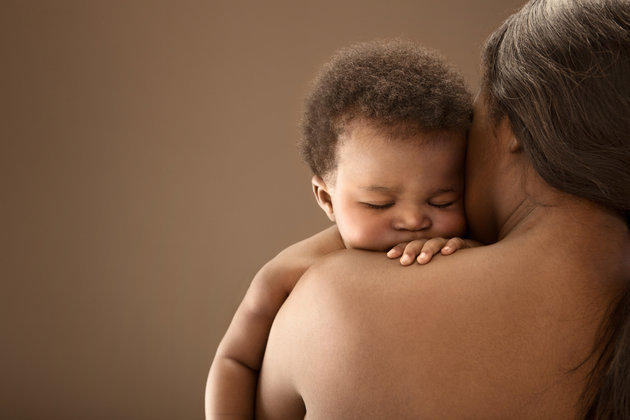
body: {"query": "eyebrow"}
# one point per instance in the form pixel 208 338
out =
pixel 443 191
pixel 380 188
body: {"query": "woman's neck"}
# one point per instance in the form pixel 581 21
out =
pixel 579 225
pixel 559 212
pixel 537 204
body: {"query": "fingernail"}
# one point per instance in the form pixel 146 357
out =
pixel 405 259
pixel 423 256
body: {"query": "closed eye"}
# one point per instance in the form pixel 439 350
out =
pixel 378 206
pixel 442 205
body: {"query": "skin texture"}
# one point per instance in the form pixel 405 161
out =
pixel 385 192
pixel 498 331
pixel 388 191
pixel 231 387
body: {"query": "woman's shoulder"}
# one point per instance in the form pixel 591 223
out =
pixel 466 325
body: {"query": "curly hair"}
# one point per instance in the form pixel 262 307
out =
pixel 393 84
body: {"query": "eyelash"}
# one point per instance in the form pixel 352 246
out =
pixel 388 205
pixel 378 206
pixel 442 206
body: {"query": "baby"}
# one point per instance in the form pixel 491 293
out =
pixel 384 133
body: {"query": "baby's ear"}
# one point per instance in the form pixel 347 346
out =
pixel 322 195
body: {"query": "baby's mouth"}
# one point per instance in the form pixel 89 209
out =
pixel 415 236
pixel 406 239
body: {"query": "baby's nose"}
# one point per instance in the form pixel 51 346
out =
pixel 413 219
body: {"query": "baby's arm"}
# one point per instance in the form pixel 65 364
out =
pixel 231 387
pixel 422 250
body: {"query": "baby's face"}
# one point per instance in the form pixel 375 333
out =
pixel 385 192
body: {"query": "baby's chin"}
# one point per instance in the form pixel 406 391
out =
pixel 372 246
pixel 386 245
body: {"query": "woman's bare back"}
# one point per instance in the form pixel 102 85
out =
pixel 493 332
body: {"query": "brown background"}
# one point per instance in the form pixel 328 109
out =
pixel 148 168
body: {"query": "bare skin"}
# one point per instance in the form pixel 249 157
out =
pixel 489 332
pixel 233 376
pixel 384 193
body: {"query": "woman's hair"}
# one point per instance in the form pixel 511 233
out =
pixel 395 85
pixel 560 71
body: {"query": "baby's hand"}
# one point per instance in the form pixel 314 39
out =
pixel 422 250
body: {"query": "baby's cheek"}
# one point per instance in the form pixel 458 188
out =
pixel 453 224
pixel 370 238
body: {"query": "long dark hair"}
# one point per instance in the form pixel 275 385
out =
pixel 560 71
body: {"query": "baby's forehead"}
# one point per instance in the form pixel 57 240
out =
pixel 361 124
pixel 361 156
pixel 365 135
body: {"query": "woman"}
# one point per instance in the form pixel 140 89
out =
pixel 537 323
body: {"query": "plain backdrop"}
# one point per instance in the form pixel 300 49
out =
pixel 148 168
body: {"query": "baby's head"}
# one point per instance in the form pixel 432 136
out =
pixel 384 133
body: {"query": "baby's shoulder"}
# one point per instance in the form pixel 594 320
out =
pixel 301 255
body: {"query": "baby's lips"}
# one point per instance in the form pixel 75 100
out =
pixel 416 237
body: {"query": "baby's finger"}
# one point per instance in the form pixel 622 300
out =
pixel 411 251
pixel 430 248
pixel 453 245
pixel 397 251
